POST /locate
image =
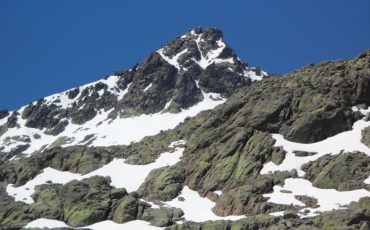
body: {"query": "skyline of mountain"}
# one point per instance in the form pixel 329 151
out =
pixel 52 47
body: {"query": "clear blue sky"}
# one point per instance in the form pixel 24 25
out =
pixel 49 46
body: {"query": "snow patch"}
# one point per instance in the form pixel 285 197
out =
pixel 132 225
pixel 103 225
pixel 362 111
pixel 348 141
pixel 218 192
pixel 62 100
pixel 328 199
pixel 132 176
pixel 46 223
pixel 252 75
pixel 24 192
pixel 121 131
pixel 212 55
pixel 197 208
pixel 167 105
pixel 174 60
pixel 124 92
pixel 122 174
pixel 367 181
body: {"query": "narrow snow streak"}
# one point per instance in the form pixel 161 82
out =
pixel 212 55
pixel 174 60
pixel 148 87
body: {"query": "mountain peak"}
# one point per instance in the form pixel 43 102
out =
pixel 193 72
pixel 210 33
pixel 201 47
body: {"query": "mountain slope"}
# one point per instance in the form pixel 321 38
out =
pixel 287 152
pixel 191 73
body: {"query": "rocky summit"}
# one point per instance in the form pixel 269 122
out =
pixel 196 67
pixel 193 138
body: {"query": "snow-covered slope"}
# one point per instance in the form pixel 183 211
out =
pixel 192 73
pixel 199 209
pixel 327 199
pixel 103 131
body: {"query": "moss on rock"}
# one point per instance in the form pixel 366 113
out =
pixel 346 171
pixel 163 184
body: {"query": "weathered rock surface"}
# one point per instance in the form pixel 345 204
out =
pixel 344 172
pixel 366 136
pixel 163 184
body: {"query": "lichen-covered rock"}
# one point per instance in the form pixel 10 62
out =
pixel 77 159
pixel 48 203
pixel 308 201
pixel 255 222
pixel 162 217
pixel 303 153
pixel 366 136
pixel 342 219
pixel 83 159
pixel 163 184
pixel 364 203
pixel 346 171
pixel 85 202
pixel 278 155
pixel 82 203
pixel 233 165
pixel 126 210
pixel 13 215
pixel 229 162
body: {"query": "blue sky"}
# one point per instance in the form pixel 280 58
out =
pixel 51 46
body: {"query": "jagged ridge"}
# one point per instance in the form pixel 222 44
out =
pixel 197 67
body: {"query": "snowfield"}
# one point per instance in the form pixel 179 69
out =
pixel 197 208
pixel 122 175
pixel 348 141
pixel 104 225
pixel 328 199
pixel 107 132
